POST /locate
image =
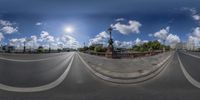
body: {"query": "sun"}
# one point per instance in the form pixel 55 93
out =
pixel 69 29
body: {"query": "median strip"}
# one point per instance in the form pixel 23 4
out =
pixel 129 78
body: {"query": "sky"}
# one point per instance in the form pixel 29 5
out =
pixel 71 23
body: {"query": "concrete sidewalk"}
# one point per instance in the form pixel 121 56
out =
pixel 126 68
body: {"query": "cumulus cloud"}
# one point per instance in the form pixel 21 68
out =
pixel 196 32
pixel 194 38
pixel 17 42
pixel 7 27
pixel 138 41
pixel 69 41
pixel 45 40
pixel 99 38
pixel 1 37
pixel 165 35
pixel 5 23
pixel 129 44
pixel 173 40
pixel 123 44
pixel 194 13
pixel 162 34
pixel 46 37
pixel 196 17
pixel 132 27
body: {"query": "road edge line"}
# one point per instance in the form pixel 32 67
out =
pixel 43 87
pixel 187 75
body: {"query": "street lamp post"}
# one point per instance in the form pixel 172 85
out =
pixel 49 48
pixel 110 53
pixel 24 50
pixel 164 45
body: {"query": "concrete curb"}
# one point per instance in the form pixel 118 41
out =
pixel 131 80
pixel 43 87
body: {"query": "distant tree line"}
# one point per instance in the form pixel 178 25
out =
pixel 148 46
pixel 40 49
pixel 94 48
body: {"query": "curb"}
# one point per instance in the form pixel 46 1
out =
pixel 131 80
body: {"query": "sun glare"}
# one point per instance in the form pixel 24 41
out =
pixel 69 29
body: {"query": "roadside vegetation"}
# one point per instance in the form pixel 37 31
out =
pixel 146 47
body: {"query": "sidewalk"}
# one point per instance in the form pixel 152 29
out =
pixel 125 68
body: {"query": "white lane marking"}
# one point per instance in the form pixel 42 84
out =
pixel 191 55
pixel 187 75
pixel 43 87
pixel 16 60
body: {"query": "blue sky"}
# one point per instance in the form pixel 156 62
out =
pixel 89 18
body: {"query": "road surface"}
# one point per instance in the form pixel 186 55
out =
pixel 80 84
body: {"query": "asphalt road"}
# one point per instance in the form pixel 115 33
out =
pixel 80 84
pixel 32 72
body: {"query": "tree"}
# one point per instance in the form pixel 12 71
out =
pixel 99 49
pixel 151 45
pixel 40 49
pixel 91 47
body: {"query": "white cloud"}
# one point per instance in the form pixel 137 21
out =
pixel 196 32
pixel 128 44
pixel 194 38
pixel 173 39
pixel 46 37
pixel 132 27
pixel 18 43
pixel 99 38
pixel 9 29
pixel 165 35
pixel 138 41
pixel 38 23
pixel 45 40
pixel 196 17
pixel 194 13
pixel 162 34
pixel 32 42
pixel 5 23
pixel 119 19
pixel 68 41
pixel 123 44
pixel 1 37
pixel 44 34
